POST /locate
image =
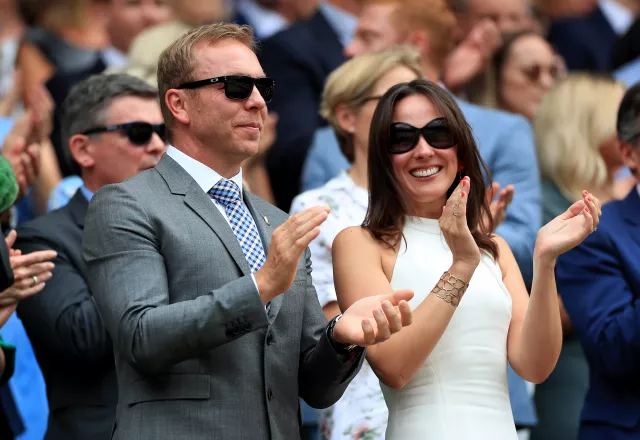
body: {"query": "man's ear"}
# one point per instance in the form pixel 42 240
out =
pixel 177 103
pixel 81 149
pixel 628 157
pixel 420 40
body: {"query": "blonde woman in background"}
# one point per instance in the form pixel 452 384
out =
pixel 576 141
pixel 349 100
pixel 575 130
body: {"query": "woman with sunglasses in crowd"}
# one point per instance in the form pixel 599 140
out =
pixel 521 72
pixel 445 376
pixel 349 100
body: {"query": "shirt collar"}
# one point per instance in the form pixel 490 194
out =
pixel 265 22
pixel 114 58
pixel 86 193
pixel 343 23
pixel 204 176
pixel 619 17
pixel 638 188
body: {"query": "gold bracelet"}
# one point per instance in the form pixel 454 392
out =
pixel 450 289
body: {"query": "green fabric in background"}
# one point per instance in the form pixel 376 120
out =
pixel 10 359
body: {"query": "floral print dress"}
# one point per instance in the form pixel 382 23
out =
pixel 361 413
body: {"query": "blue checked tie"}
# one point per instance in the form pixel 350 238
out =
pixel 227 193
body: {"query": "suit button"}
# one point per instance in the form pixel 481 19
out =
pixel 269 339
pixel 269 394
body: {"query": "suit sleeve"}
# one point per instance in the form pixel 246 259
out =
pixel 63 319
pixel 517 165
pixel 323 376
pixel 126 273
pixel 597 295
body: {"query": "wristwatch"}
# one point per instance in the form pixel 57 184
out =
pixel 338 347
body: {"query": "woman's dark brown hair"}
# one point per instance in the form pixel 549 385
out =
pixel 388 203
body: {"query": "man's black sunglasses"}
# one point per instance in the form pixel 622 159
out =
pixel 405 137
pixel 139 133
pixel 237 87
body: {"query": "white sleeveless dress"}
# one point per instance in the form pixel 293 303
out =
pixel 461 391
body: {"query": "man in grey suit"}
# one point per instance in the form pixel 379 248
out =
pixel 216 326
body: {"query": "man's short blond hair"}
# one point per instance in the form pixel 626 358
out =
pixel 435 17
pixel 353 82
pixel 177 64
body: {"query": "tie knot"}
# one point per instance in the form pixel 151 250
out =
pixel 225 192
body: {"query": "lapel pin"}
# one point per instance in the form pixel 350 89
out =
pixel 266 220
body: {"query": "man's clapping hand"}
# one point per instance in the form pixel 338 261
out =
pixel 30 272
pixel 374 319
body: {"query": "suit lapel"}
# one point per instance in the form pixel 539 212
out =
pixel 181 183
pixel 265 229
pixel 201 204
pixel 77 207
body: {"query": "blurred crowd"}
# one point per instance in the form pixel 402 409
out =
pixel 540 83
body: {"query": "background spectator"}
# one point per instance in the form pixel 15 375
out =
pixel 599 285
pixel 586 42
pixel 521 72
pixel 63 323
pixel 126 20
pixel 577 148
pixel 300 58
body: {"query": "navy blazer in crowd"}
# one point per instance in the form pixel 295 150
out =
pixel 586 43
pixel 299 59
pixel 599 282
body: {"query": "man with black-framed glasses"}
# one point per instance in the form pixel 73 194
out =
pixel 113 127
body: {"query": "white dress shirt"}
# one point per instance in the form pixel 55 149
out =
pixel 206 178
pixel 618 16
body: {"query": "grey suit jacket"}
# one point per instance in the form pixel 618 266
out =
pixel 197 356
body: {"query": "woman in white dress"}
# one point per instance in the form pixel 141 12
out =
pixel 427 229
pixel 348 102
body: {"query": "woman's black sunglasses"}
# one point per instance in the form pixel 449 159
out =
pixel 404 137
pixel 139 133
pixel 237 87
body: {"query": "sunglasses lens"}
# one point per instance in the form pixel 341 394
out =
pixel 140 133
pixel 440 138
pixel 161 131
pixel 403 140
pixel 239 87
pixel 265 86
